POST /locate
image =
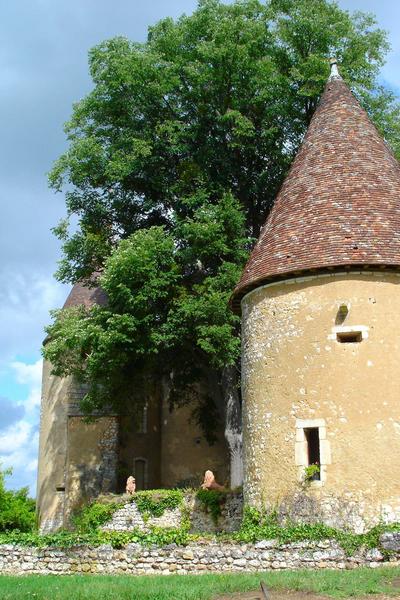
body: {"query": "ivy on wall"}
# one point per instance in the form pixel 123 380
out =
pixel 93 516
pixel 250 532
pixel 150 503
pixel 212 502
pixel 155 502
pixel 256 525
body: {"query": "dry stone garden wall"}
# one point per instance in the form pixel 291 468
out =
pixel 201 557
pixel 199 553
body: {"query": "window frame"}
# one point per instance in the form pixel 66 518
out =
pixel 301 449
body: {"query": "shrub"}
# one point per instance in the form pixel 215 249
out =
pixel 93 516
pixel 311 472
pixel 212 501
pixel 153 503
pixel 17 510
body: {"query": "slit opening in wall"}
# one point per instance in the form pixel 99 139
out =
pixel 349 337
pixel 60 488
pixel 313 450
pixel 140 472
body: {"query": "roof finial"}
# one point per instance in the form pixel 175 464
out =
pixel 334 69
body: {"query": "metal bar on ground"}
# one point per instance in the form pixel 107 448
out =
pixel 265 591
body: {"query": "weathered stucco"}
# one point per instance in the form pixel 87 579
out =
pixel 77 460
pixel 185 452
pixel 52 450
pixel 295 374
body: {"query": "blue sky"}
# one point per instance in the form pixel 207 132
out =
pixel 43 63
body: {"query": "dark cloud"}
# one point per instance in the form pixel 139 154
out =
pixel 10 412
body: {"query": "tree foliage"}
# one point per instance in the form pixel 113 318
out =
pixel 17 510
pixel 173 163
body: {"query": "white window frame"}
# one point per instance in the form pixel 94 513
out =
pixel 301 450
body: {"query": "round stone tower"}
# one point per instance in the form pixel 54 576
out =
pixel 320 300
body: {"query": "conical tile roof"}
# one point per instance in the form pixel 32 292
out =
pixel 85 295
pixel 340 203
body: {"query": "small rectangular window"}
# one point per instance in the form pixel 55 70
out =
pixel 60 488
pixel 141 420
pixel 313 449
pixel 349 337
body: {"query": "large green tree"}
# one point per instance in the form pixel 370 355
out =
pixel 173 163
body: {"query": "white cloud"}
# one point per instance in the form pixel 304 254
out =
pixel 26 297
pixel 21 456
pixel 25 302
pixel 18 450
pixel 19 440
pixel 15 436
pixel 30 375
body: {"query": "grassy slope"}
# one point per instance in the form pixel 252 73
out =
pixel 338 584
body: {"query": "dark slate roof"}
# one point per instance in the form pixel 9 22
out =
pixel 339 206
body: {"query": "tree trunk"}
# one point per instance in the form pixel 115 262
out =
pixel 233 424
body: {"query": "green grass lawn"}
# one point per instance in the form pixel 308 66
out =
pixel 337 584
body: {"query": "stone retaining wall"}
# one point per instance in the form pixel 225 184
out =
pixel 128 517
pixel 200 557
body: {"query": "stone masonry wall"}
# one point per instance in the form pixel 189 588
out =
pixel 92 460
pixel 201 557
pixel 128 517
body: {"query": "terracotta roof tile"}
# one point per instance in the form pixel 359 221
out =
pixel 88 296
pixel 340 203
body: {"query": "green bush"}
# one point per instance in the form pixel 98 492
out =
pixel 212 501
pixel 93 516
pixel 117 539
pixel 311 472
pixel 17 510
pixel 153 503
pixel 258 525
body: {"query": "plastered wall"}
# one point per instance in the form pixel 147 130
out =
pixel 140 439
pixel 186 454
pixel 174 448
pixel 295 373
pixel 52 450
